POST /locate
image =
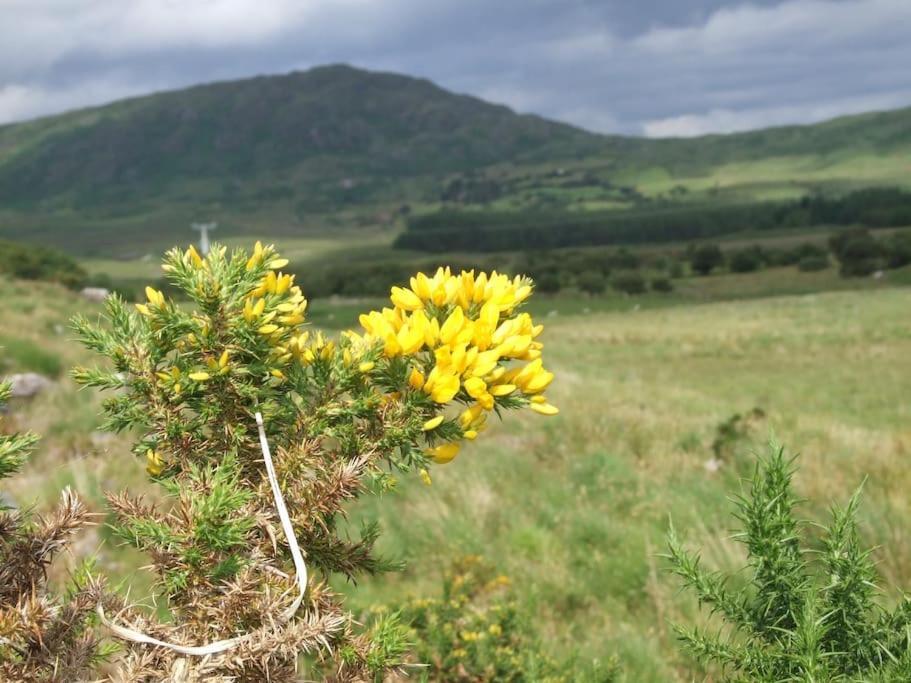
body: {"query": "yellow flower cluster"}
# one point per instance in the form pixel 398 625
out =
pixel 275 307
pixel 465 341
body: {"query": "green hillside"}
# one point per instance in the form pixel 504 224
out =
pixel 328 123
pixel 338 150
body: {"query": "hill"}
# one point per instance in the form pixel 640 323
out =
pixel 337 149
pixel 330 122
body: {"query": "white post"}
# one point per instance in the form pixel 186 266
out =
pixel 204 235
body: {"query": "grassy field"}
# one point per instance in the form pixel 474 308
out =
pixel 575 508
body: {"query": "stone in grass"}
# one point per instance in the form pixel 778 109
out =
pixel 28 384
pixel 712 465
pixel 98 294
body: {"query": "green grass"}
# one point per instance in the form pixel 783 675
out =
pixel 25 356
pixel 574 508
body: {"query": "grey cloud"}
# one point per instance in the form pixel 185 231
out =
pixel 658 67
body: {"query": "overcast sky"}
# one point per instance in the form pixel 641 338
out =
pixel 653 67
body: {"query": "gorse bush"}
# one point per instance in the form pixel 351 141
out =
pixel 474 630
pixel 806 614
pixel 42 637
pixel 477 630
pixel 31 262
pixel 402 393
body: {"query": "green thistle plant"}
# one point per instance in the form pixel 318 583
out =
pixel 805 615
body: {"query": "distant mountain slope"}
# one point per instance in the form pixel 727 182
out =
pixel 869 133
pixel 340 148
pixel 333 120
pixel 277 134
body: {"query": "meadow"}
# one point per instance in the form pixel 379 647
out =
pixel 574 509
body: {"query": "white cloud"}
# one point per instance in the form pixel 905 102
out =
pixel 793 26
pixel 19 102
pixel 36 34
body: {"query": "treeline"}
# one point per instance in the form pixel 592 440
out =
pixel 486 231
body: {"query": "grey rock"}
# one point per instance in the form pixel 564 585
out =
pixel 28 384
pixel 98 294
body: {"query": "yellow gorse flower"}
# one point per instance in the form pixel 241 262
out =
pixel 448 339
pixel 154 463
pixel 465 341
pixel 276 309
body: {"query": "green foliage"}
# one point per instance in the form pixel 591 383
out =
pixel 43 637
pixel 662 284
pixel 21 354
pixel 629 282
pixel 805 615
pixel 809 264
pixel 548 283
pixel 746 260
pixel 341 416
pixel 898 249
pixel 34 262
pixel 858 252
pixel 706 258
pixel 734 431
pixel 654 222
pixel 476 631
pixel 14 448
pixel 591 282
pixel 188 380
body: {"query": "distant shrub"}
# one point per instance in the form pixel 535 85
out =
pixel 625 259
pixel 662 284
pixel 732 432
pixel 783 257
pixel 898 249
pixel 746 260
pixel 548 283
pixel 34 262
pixel 806 613
pixel 706 258
pixel 858 252
pixel 676 269
pixel 475 631
pixel 101 280
pixel 629 283
pixel 792 256
pixel 591 282
pixel 809 264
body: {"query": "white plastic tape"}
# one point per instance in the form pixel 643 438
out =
pixel 300 568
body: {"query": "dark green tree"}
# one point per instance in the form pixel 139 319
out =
pixel 706 258
pixel 858 252
pixel 591 282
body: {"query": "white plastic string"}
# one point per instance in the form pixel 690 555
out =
pixel 300 568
